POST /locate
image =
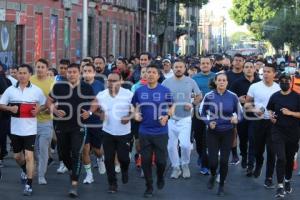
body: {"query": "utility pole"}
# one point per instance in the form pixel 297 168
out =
pixel 84 28
pixel 147 25
pixel 175 24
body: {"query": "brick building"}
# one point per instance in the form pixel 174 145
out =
pixel 52 29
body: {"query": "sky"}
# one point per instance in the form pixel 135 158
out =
pixel 221 8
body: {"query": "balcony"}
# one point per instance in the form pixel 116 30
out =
pixel 131 5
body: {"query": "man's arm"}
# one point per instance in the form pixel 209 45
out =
pixel 93 108
pixel 50 104
pixel 13 109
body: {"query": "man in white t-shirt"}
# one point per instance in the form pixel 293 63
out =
pixel 23 100
pixel 260 127
pixel 115 102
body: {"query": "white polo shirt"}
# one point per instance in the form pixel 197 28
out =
pixel 115 108
pixel 23 123
pixel 261 94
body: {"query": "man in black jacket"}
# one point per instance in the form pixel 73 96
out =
pixel 4 116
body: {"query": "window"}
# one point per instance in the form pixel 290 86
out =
pixel 100 39
pixel 79 40
pixel 130 40
pixel 120 43
pixel 53 39
pixel 107 38
pixel 19 44
pixel 126 44
pixel 67 37
pixel 90 35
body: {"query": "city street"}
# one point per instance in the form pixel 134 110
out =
pixel 238 186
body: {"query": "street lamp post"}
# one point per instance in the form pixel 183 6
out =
pixel 175 20
pixel 84 28
pixel 296 9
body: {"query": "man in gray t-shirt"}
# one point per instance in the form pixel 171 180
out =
pixel 185 91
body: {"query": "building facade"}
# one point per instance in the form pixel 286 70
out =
pixel 52 29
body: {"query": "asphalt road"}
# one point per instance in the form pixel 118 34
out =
pixel 238 186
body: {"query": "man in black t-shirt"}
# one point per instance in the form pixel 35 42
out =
pixel 240 88
pixel 233 75
pixel 284 108
pixel 67 100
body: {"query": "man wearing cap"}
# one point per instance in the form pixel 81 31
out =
pixel 167 68
pixel 284 109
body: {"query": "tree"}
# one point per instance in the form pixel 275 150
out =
pixel 273 20
pixel 253 13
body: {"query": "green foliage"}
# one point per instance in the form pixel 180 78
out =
pixel 273 20
pixel 253 13
pixel 286 29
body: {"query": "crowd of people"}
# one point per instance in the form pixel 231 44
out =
pixel 151 109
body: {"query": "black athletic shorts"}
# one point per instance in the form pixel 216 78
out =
pixel 20 143
pixel 94 137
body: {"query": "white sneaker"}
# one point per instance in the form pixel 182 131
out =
pixel 42 181
pixel 176 173
pixel 118 168
pixel 218 178
pixel 88 179
pixel 101 166
pixel 62 168
pixel 186 171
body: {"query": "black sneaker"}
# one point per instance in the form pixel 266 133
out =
pixel 287 187
pixel 244 162
pixel 257 172
pixel 235 160
pixel 221 190
pixel 112 189
pixel 73 192
pixel 125 177
pixel 160 183
pixel 50 161
pixel 280 193
pixel 211 182
pixel 269 184
pixel 249 172
pixel 149 192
